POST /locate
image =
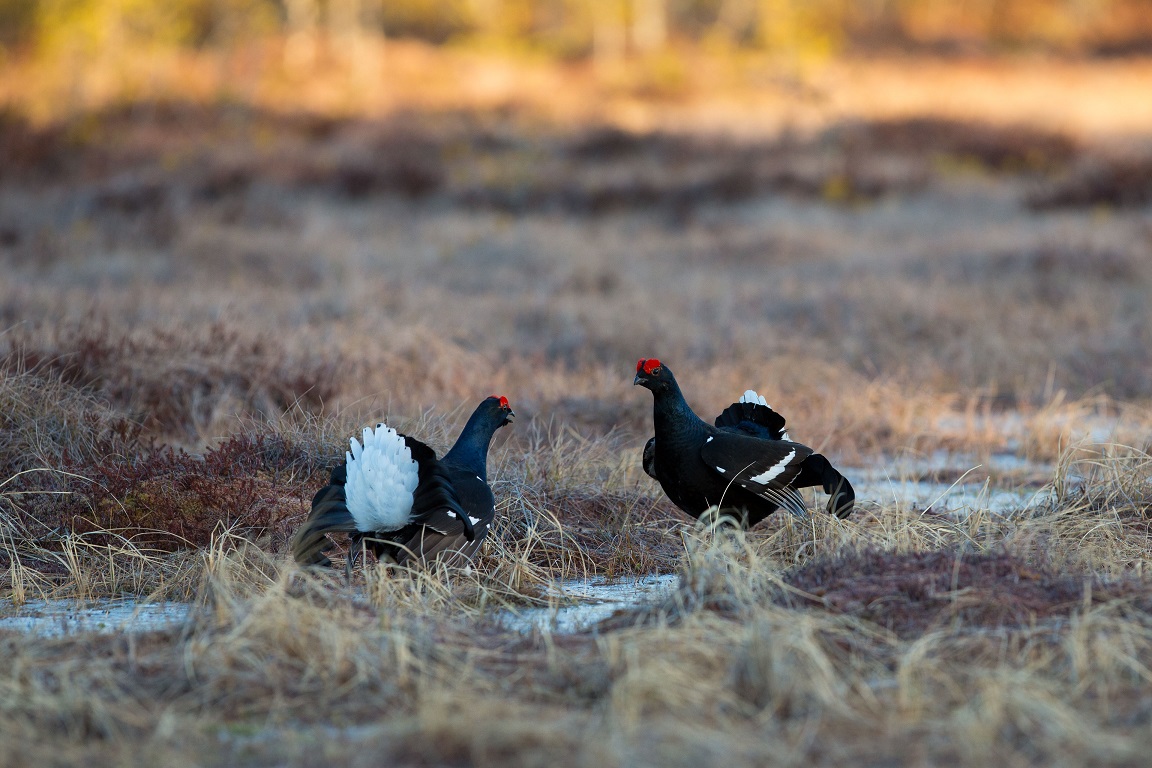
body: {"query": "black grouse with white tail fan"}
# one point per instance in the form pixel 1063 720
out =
pixel 744 464
pixel 395 498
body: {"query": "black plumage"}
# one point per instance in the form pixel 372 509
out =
pixel 744 463
pixel 450 512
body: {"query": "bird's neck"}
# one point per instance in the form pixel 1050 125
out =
pixel 671 413
pixel 471 449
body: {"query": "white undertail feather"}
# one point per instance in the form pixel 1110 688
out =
pixel 750 396
pixel 381 480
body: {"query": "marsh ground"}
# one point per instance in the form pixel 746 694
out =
pixel 203 298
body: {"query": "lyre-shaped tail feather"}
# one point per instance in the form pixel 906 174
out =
pixel 329 515
pixel 818 471
pixel 841 495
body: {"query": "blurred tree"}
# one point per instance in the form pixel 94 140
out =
pixel 302 20
pixel 102 26
pixel 356 32
pixel 736 21
pixel 436 21
pixel 649 24
pixel 608 31
pixel 226 23
pixel 801 29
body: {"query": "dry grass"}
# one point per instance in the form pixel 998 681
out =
pixel 1004 639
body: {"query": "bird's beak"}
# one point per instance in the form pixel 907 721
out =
pixel 509 417
pixel 639 380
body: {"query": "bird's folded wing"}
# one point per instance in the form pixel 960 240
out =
pixel 435 503
pixel 763 467
pixel 649 459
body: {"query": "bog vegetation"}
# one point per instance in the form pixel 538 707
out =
pixel 218 268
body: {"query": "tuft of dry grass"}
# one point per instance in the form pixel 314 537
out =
pixel 173 382
pixel 45 419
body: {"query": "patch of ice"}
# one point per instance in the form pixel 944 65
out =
pixel 56 618
pixel 598 598
pixel 944 497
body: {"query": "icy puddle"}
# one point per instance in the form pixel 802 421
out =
pixel 597 600
pixel 947 498
pixel 56 618
pixel 1003 485
pixel 580 604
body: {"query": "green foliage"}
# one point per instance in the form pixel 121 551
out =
pixel 800 29
pixel 806 29
pixel 88 26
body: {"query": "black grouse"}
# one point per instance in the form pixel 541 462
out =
pixel 745 464
pixel 394 497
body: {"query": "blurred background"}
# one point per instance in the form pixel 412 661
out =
pixel 575 29
pixel 887 212
pixel 68 55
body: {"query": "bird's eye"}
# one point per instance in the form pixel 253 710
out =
pixel 656 371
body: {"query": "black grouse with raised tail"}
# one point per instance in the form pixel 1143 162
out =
pixel 745 463
pixel 395 498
